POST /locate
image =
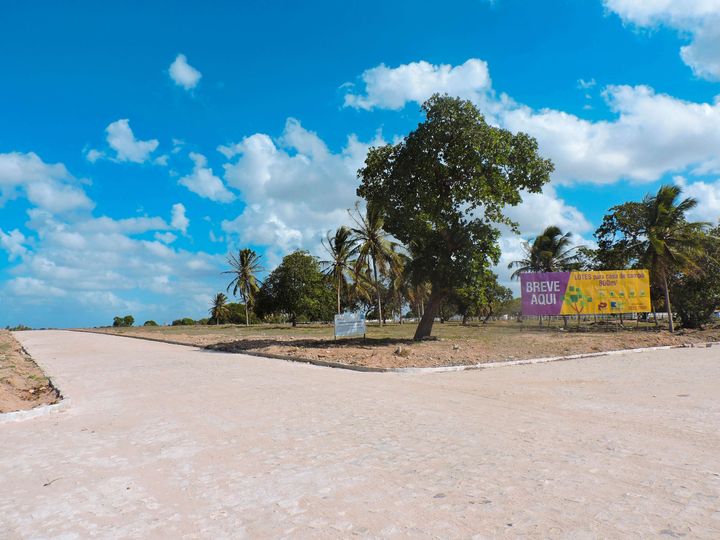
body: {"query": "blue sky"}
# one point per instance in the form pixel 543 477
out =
pixel 139 144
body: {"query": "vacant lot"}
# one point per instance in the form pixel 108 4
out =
pixel 22 383
pixel 392 346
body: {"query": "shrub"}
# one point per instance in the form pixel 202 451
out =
pixel 127 320
pixel 150 323
pixel 187 321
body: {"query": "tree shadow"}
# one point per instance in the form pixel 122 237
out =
pixel 254 344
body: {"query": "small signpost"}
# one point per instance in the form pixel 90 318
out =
pixel 350 324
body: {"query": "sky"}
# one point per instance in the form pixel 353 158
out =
pixel 139 145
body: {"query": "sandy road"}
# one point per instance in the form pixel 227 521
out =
pixel 163 441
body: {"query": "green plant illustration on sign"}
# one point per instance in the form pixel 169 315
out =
pixel 575 298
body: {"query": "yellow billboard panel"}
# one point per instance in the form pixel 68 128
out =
pixel 607 292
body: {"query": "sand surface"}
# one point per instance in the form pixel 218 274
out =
pixel 23 385
pixel 165 441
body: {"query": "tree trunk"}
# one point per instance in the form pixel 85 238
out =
pixel 293 320
pixel 464 321
pixel 425 325
pixel 377 290
pixel 338 297
pixel 564 322
pixel 247 314
pixel 666 289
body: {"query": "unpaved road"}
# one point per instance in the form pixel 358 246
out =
pixel 163 441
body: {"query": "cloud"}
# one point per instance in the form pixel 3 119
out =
pixel 183 73
pixel 652 134
pixel 700 19
pixel 103 264
pixel 14 243
pixel 179 219
pixel 295 188
pixel 94 155
pixel 392 88
pixel 165 238
pixel 707 195
pixel 27 286
pixel 127 148
pixel 47 186
pixel 203 182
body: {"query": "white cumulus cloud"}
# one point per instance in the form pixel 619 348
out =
pixel 295 188
pixel 707 195
pixel 392 88
pixel 203 182
pixel 122 140
pixel 651 135
pixel 183 74
pixel 700 19
pixel 179 219
pixel 47 186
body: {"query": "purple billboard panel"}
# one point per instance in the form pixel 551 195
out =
pixel 542 292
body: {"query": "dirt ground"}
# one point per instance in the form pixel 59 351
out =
pixel 23 385
pixel 392 347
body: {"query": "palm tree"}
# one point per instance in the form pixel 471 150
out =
pixel 341 268
pixel 219 309
pixel 375 250
pixel 245 267
pixel 549 252
pixel 670 243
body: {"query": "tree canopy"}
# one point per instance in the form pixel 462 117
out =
pixel 443 190
pixel 297 288
pixel 655 234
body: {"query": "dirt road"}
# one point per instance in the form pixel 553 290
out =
pixel 164 441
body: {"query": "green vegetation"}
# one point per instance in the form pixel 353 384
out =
pixel 127 320
pixel 245 267
pixel 443 190
pixel 656 234
pixel 150 323
pixel 187 321
pixel 298 290
pixel 18 328
pixel 219 311
pixel 549 252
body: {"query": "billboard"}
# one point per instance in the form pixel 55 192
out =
pixel 585 293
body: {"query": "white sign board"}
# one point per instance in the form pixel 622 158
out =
pixel 350 324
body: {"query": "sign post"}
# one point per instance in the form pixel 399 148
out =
pixel 350 324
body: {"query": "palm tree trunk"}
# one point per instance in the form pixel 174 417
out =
pixel 666 290
pixel 338 296
pixel 247 313
pixel 377 290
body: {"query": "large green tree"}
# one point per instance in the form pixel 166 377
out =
pixel 657 235
pixel 444 187
pixel 697 297
pixel 244 268
pixel 297 288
